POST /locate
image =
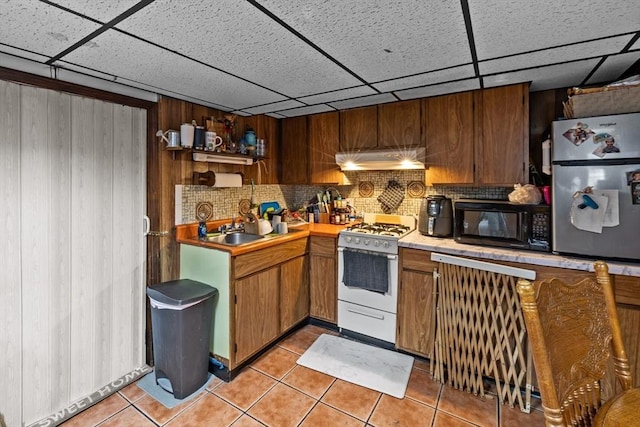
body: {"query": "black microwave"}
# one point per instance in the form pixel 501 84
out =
pixel 503 224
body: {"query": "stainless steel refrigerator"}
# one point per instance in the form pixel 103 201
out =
pixel 596 187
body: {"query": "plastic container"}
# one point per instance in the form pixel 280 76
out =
pixel 181 320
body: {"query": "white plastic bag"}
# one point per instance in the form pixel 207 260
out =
pixel 527 194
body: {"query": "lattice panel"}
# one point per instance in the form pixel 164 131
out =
pixel 480 332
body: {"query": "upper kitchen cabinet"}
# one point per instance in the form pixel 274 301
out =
pixel 502 151
pixel 264 170
pixel 294 152
pixel 449 130
pixel 390 125
pixel 323 145
pixel 399 124
pixel 359 129
pixel 478 138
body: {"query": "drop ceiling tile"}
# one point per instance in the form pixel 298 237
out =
pixel 56 29
pixel 636 45
pixel 543 78
pixel 276 106
pixel 153 66
pixel 276 115
pixel 420 35
pixel 440 89
pixel 338 95
pixel 103 11
pixel 240 39
pixel 303 111
pixel 363 101
pixel 613 67
pixel 454 73
pixel 553 56
pixel 509 27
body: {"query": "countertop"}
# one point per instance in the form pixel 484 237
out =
pixel 188 234
pixel 415 240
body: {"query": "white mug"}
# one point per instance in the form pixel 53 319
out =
pixel 186 135
pixel 283 228
pixel 212 141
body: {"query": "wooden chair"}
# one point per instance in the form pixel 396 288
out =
pixel 570 328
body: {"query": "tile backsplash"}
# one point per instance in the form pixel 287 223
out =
pixel 225 201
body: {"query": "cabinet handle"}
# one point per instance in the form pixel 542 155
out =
pixel 147 232
pixel 365 314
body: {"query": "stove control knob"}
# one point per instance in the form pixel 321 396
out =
pixel 357 240
pixel 386 244
pixel 366 242
pixel 376 243
pixel 348 239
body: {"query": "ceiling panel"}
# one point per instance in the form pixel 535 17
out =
pixel 552 56
pixel 236 37
pixel 505 27
pixel 454 73
pixel 55 30
pixel 338 95
pixel 420 35
pixel 103 11
pixel 441 89
pixel 543 78
pixel 163 69
pixel 608 70
pixel 303 111
pixel 363 101
pixel 283 105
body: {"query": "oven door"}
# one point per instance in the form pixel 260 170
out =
pixel 385 301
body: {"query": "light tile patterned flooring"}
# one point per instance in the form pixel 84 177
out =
pixel 274 391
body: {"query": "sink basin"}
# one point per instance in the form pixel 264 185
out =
pixel 235 239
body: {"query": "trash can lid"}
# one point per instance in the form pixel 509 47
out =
pixel 180 292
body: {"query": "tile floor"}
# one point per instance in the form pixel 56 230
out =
pixel 274 391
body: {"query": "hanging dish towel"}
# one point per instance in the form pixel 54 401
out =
pixel 391 197
pixel 366 270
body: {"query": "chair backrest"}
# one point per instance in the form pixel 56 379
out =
pixel 570 329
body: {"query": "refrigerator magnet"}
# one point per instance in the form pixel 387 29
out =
pixel 633 176
pixel 635 192
pixel 578 133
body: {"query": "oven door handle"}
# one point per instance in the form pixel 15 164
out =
pixel 365 314
pixel 389 256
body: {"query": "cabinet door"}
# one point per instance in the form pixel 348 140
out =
pixel 399 124
pixel 323 146
pixel 294 151
pixel 416 316
pixel 449 132
pixel 503 154
pixel 294 292
pixel 256 312
pixel 359 129
pixel 323 271
pixel 265 128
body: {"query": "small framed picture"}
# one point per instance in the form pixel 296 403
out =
pixel 633 176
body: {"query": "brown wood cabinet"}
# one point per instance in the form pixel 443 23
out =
pixel 416 317
pixel 399 124
pixel 479 137
pixel 294 151
pixel 392 125
pixel 323 146
pixel 265 127
pixel 270 296
pixel 323 278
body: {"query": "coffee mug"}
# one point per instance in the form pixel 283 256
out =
pixel 283 228
pixel 186 135
pixel 199 138
pixel 213 141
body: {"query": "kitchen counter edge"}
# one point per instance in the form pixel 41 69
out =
pixel 416 240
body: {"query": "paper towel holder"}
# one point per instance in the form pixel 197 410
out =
pixel 208 178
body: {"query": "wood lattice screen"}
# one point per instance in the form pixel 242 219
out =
pixel 480 330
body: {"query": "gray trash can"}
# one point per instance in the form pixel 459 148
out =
pixel 181 317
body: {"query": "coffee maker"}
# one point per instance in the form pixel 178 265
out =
pixel 436 217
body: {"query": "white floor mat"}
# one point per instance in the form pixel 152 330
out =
pixel 372 367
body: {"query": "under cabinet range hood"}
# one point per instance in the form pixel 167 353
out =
pixel 389 159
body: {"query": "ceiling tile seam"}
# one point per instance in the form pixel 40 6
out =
pixel 527 52
pixel 97 32
pixel 593 70
pixel 423 73
pixel 446 82
pixel 631 42
pixel 472 44
pixel 309 42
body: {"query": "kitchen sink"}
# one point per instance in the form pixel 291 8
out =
pixel 235 239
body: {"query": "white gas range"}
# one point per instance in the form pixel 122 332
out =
pixel 368 275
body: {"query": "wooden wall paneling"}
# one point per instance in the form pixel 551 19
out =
pixel 544 107
pixel 294 151
pixel 323 145
pixel 10 263
pixel 35 260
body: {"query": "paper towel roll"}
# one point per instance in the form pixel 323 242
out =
pixel 228 180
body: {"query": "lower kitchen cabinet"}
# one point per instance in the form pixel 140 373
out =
pixel 416 317
pixel 323 278
pixel 271 294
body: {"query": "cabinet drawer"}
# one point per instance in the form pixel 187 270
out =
pixel 322 246
pixel 627 289
pixel 255 261
pixel 415 259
